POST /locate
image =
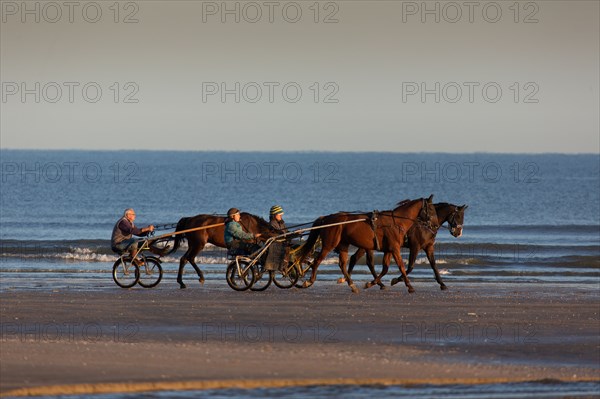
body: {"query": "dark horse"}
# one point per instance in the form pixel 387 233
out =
pixel 386 234
pixel 214 235
pixel 421 236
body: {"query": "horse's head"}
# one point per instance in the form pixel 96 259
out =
pixel 256 224
pixel 456 219
pixel 428 214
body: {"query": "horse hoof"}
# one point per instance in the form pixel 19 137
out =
pixel 354 289
pixel 201 281
pixel 341 280
pixel 306 284
pixel 182 286
pixel 395 281
pixel 443 287
pixel 367 285
pixel 411 290
pixel 382 287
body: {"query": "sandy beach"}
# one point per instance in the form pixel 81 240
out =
pixel 65 341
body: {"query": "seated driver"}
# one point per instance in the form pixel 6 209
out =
pixel 122 235
pixel 276 219
pixel 237 240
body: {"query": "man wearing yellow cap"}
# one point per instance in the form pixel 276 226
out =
pixel 276 220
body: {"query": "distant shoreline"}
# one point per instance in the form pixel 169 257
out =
pixel 223 151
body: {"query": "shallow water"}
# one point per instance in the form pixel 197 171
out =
pixel 546 390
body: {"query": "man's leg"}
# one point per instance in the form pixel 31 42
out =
pixel 249 247
pixel 126 246
pixel 131 246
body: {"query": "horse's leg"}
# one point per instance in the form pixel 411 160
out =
pixel 353 259
pixel 343 261
pixel 315 266
pixel 384 270
pixel 400 262
pixel 371 264
pixel 431 257
pixel 377 278
pixel 412 257
pixel 191 257
pixel 182 263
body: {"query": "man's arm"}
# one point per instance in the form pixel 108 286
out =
pixel 237 232
pixel 126 227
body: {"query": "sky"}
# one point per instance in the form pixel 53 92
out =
pixel 399 76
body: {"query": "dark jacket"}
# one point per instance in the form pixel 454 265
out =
pixel 279 225
pixel 123 230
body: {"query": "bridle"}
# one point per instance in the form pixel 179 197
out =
pixel 452 220
pixel 426 222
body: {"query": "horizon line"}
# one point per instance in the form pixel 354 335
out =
pixel 294 151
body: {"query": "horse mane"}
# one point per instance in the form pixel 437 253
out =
pixel 259 219
pixel 445 204
pixel 404 202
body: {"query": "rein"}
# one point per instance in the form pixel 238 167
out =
pixel 293 226
pixel 452 220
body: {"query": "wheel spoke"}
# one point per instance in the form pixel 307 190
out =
pixel 150 273
pixel 125 273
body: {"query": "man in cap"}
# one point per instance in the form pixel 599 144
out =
pixel 276 219
pixel 237 240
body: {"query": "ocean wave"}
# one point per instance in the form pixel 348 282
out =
pixel 448 254
pixel 218 256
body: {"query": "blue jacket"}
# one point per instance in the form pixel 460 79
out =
pixel 234 231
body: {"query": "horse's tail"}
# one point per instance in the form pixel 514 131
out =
pixel 167 250
pixel 308 247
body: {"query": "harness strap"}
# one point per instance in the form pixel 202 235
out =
pixel 373 220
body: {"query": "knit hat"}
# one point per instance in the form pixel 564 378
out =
pixel 276 210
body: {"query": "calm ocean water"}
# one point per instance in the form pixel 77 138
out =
pixel 530 217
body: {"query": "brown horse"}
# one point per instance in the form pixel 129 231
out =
pixel 214 235
pixel 420 237
pixel 386 234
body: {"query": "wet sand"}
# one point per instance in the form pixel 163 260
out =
pixel 165 338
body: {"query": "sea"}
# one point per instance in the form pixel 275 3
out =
pixel 530 217
pixel 532 220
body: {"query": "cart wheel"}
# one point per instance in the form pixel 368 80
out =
pixel 285 279
pixel 125 273
pixel 263 279
pixel 150 273
pixel 240 282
